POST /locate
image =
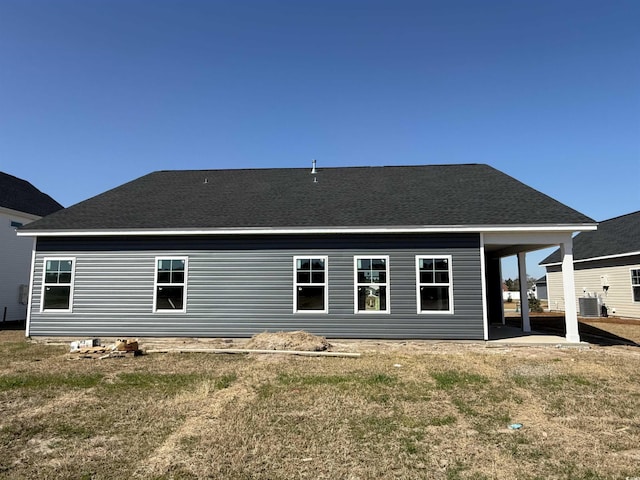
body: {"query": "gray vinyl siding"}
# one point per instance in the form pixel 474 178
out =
pixel 240 286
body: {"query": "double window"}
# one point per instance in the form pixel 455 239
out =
pixel 371 284
pixel 310 284
pixel 635 284
pixel 433 283
pixel 170 284
pixel 57 287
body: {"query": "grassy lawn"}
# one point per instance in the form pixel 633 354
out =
pixel 438 412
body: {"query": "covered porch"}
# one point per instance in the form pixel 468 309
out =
pixel 498 245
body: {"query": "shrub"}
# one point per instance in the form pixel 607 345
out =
pixel 534 304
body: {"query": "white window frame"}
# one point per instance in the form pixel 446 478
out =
pixel 356 284
pixel 419 284
pixel 325 284
pixel 633 286
pixel 71 284
pixel 183 285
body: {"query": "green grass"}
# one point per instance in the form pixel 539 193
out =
pixel 355 379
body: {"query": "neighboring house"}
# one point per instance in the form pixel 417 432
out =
pixel 20 204
pixel 607 267
pixel 541 288
pixel 361 252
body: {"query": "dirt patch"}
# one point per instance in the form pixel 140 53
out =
pixel 299 341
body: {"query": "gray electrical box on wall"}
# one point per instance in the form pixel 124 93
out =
pixel 23 294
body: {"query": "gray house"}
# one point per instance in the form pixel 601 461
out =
pixel 20 204
pixel 607 267
pixel 541 288
pixel 362 252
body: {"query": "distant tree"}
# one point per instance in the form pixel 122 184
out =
pixel 514 285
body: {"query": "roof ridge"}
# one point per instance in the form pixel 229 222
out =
pixel 620 216
pixel 319 167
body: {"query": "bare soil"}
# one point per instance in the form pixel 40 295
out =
pixel 298 341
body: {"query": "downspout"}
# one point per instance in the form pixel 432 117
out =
pixel 31 275
pixel 483 277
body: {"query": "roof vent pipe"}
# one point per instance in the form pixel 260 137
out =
pixel 313 168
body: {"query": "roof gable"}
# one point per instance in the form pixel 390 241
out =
pixel 431 195
pixel 20 195
pixel 616 236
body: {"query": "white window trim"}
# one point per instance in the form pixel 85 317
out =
pixel 71 285
pixel 183 284
pixel 385 284
pixel 632 285
pixel 325 284
pixel 418 285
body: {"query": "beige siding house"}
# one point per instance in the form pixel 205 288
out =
pixel 606 267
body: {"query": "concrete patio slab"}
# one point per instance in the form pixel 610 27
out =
pixel 507 335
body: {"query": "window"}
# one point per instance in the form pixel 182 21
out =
pixel 310 284
pixel 16 224
pixel 635 284
pixel 170 288
pixel 433 283
pixel 371 284
pixel 58 284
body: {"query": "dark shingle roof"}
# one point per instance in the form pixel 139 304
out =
pixel 21 196
pixel 433 195
pixel 614 237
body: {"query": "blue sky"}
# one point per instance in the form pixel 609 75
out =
pixel 94 93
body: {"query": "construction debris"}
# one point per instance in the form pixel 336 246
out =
pixel 291 343
pixel 92 349
pixel 247 350
pixel 285 343
pixel 125 345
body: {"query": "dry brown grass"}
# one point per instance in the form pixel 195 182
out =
pixel 626 329
pixel 411 411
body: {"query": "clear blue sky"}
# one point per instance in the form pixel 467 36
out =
pixel 94 93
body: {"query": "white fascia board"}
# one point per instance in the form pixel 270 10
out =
pixel 311 230
pixel 593 259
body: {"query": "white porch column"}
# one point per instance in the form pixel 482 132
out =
pixel 568 282
pixel 524 299
pixel 504 319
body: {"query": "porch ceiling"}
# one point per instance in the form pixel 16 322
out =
pixel 504 244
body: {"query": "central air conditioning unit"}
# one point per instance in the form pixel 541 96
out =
pixel 589 307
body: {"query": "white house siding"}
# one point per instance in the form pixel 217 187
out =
pixel 619 296
pixel 15 258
